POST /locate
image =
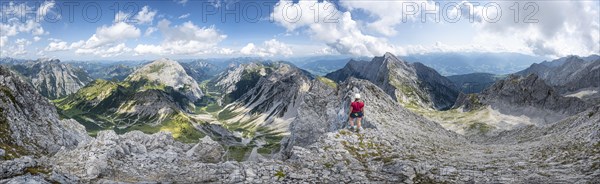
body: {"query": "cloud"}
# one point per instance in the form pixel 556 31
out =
pixel 269 48
pixel 184 16
pixel 57 46
pixel 144 16
pixel 108 41
pixel 117 32
pixel 11 14
pixel 182 2
pixel 150 30
pixel 19 48
pixel 389 14
pixel 36 38
pixel 558 28
pixel 109 51
pixel 3 40
pixel 335 28
pixel 186 39
pixel 220 3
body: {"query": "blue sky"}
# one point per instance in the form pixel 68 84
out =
pixel 89 30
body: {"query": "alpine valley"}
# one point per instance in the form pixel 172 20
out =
pixel 251 120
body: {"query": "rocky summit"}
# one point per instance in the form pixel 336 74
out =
pixel 271 122
pixel 413 84
pixel 169 73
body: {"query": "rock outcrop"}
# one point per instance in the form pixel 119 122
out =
pixel 53 79
pixel 169 73
pixel 524 96
pixel 273 101
pixel 568 74
pixel 29 124
pixel 412 84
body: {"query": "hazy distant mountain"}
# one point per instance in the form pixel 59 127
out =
pixel 474 82
pixel 412 84
pixel 118 70
pixel 324 65
pixel 568 74
pixel 465 63
pixel 201 70
pixel 11 61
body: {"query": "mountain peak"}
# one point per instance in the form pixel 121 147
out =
pixel 389 55
pixel 169 73
pixel 48 60
pixel 413 85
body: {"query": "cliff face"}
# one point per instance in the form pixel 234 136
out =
pixel 29 124
pixel 568 74
pixel 524 96
pixel 413 85
pixel 53 79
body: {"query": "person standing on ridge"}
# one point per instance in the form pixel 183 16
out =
pixel 356 112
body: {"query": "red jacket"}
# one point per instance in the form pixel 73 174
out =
pixel 357 106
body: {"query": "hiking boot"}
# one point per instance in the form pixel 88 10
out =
pixel 351 128
pixel 360 130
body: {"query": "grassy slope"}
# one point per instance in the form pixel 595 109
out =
pixel 77 106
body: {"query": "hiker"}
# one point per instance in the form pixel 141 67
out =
pixel 356 112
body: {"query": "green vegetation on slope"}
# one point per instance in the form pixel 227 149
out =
pixel 180 126
pixel 327 81
pixel 97 107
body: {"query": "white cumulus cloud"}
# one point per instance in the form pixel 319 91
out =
pixel 117 32
pixel 335 28
pixel 144 16
pixel 184 16
pixel 185 39
pixel 269 48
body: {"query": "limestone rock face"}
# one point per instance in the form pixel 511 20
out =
pixel 569 74
pixel 15 167
pixel 29 124
pixel 412 84
pixel 53 79
pixel 525 96
pixel 169 73
pixel 326 109
pixel 227 81
pixel 206 150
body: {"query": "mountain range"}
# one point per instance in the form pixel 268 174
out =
pixel 52 78
pixel 412 84
pixel 256 121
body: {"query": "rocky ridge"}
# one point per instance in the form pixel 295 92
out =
pixel 398 146
pixel 52 78
pixel 29 123
pixel 568 74
pixel 525 96
pixel 412 84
